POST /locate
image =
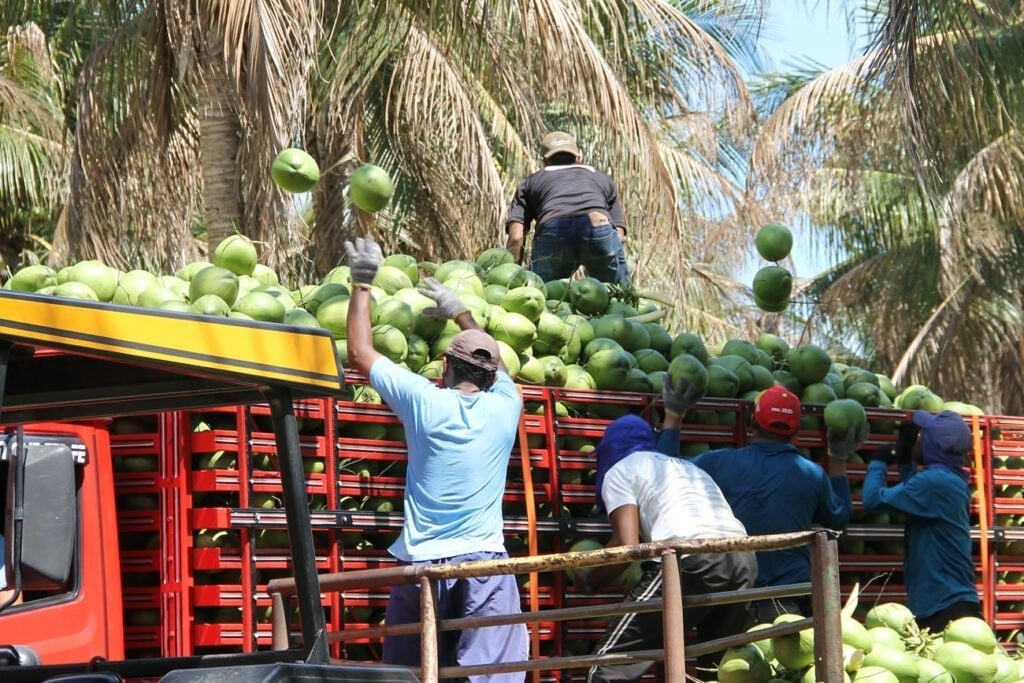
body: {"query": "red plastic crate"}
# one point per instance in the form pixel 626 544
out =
pixel 216 559
pixel 225 574
pixel 221 595
pixel 236 636
pixel 206 481
pixel 215 440
pixel 309 445
pixel 376 486
pixel 305 408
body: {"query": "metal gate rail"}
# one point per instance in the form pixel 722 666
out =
pixel 824 591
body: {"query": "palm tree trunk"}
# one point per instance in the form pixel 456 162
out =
pixel 219 131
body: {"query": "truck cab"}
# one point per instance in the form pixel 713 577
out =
pixel 61 552
pixel 66 367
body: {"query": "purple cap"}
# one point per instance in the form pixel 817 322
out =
pixel 945 431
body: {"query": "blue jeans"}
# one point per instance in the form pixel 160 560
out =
pixel 562 245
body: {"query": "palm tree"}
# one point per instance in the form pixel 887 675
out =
pixel 32 186
pixel 183 109
pixel 185 104
pixel 908 162
pixel 453 102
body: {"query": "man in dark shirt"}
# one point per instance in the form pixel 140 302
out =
pixel 579 218
pixel 773 489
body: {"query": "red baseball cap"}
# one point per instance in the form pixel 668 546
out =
pixel 778 411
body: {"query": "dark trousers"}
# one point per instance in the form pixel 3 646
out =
pixel 700 574
pixel 564 244
pixel 937 622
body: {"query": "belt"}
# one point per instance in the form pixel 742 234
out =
pixel 595 218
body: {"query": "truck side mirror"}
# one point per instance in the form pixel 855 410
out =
pixel 18 655
pixel 42 514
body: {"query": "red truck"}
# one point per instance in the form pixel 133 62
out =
pixel 110 582
pixel 65 365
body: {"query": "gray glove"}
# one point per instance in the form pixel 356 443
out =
pixel 681 397
pixel 845 444
pixel 364 258
pixel 449 305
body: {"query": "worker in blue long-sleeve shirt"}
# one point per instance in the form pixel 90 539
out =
pixel 773 489
pixel 938 566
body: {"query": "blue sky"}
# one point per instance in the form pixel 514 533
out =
pixel 794 32
pixel 800 29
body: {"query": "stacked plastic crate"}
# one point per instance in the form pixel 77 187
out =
pixel 202 528
pixel 870 550
pixel 240 539
pixel 533 511
pixel 149 490
pixel 271 555
pixel 369 487
pixel 1006 491
pixel 221 578
pixel 581 418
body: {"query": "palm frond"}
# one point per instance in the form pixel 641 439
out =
pixel 133 190
pixel 455 97
pixel 267 53
pixel 33 151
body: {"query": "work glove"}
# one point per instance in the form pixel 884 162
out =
pixel 681 397
pixel 449 305
pixel 905 441
pixel 364 258
pixel 883 453
pixel 845 444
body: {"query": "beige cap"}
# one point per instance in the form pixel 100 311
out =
pixel 475 347
pixel 557 142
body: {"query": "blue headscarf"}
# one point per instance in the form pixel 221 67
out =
pixel 946 440
pixel 625 436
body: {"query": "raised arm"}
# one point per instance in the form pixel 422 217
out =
pixel 678 398
pixel 450 307
pixel 364 257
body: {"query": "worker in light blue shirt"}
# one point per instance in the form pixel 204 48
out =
pixel 459 446
pixel 459 438
pixel 938 564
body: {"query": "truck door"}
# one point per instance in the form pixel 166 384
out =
pixel 60 547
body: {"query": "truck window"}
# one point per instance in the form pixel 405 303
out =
pixel 39 475
pixel 6 595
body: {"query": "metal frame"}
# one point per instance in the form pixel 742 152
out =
pixel 824 591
